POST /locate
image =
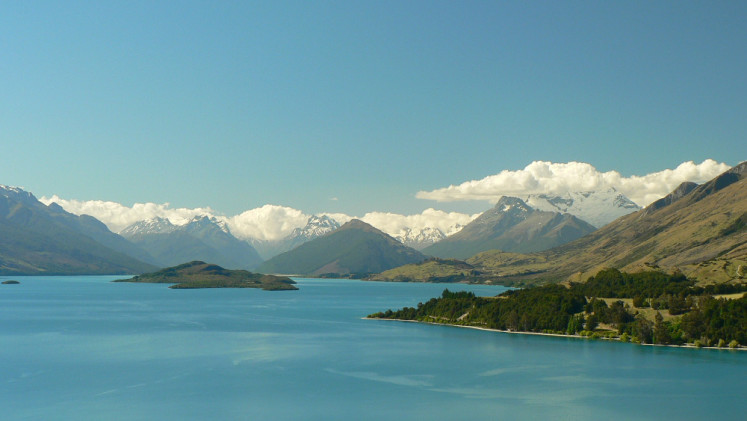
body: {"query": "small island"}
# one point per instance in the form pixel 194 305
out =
pixel 199 274
pixel 10 282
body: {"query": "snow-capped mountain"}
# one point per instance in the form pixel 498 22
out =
pixel 513 226
pixel 160 225
pixel 16 193
pixel 316 226
pixel 207 222
pixel 155 225
pixel 203 238
pixel 420 238
pixel 598 208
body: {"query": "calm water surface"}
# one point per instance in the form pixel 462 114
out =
pixel 83 348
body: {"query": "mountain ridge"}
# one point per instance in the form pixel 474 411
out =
pixel 40 239
pixel 202 238
pixel 356 247
pixel 511 225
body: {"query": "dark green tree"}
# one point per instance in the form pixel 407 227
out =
pixel 661 332
pixel 575 324
pixel 592 322
pixel 643 329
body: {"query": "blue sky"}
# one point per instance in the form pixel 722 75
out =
pixel 234 105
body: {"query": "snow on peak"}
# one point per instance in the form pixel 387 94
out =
pixel 316 226
pixel 508 204
pixel 420 238
pixel 598 208
pixel 200 221
pixel 15 193
pixel 156 225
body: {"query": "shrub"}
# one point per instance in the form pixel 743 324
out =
pixel 733 343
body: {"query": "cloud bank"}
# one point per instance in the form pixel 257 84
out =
pixel 266 223
pixel 542 177
pixel 395 224
pixel 273 222
pixel 117 216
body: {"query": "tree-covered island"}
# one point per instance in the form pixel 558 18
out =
pixel 647 308
pixel 198 274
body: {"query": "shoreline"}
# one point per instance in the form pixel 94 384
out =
pixel 557 335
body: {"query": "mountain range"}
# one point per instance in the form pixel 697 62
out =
pixel 202 238
pixel 321 246
pixel 698 230
pixel 514 226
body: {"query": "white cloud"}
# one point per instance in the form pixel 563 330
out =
pixel 542 177
pixel 339 217
pixel 396 224
pixel 269 222
pixel 118 217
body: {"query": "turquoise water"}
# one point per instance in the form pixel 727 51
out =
pixel 83 348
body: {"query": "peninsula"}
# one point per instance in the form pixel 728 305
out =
pixel 199 274
pixel 646 308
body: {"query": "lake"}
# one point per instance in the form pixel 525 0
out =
pixel 83 348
